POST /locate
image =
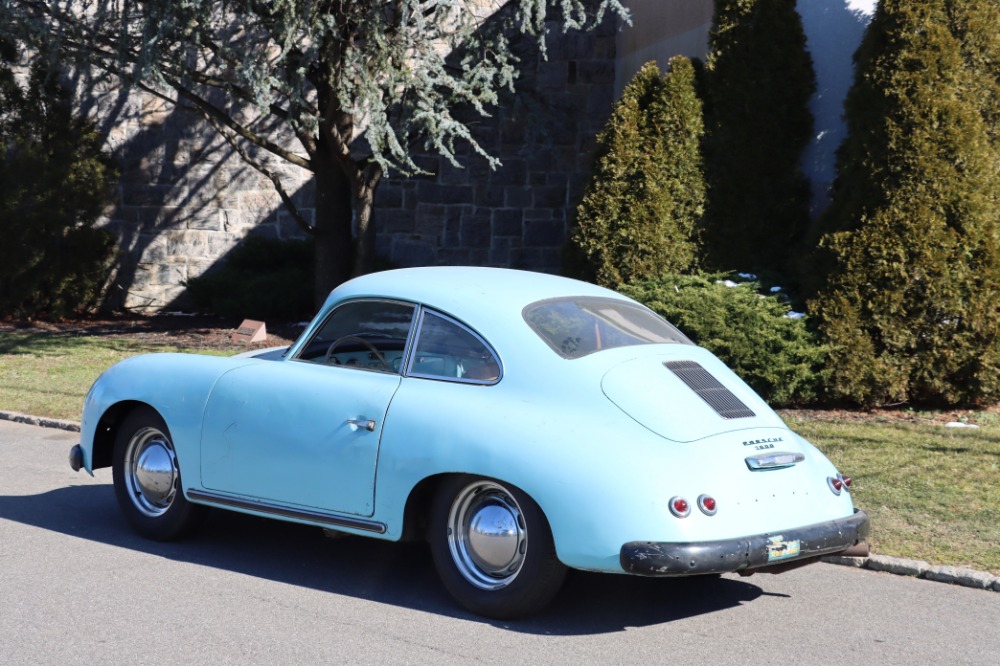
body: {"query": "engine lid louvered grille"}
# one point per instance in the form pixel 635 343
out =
pixel 709 389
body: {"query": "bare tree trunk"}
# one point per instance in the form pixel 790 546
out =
pixel 334 240
pixel 364 261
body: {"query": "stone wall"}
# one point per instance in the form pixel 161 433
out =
pixel 186 199
pixel 517 215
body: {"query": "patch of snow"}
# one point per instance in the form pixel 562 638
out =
pixel 775 290
pixel 728 283
pixel 747 276
pixel 795 315
pixel 959 424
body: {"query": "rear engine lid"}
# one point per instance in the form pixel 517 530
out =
pixel 685 399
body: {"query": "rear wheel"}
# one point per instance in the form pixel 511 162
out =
pixel 493 548
pixel 147 479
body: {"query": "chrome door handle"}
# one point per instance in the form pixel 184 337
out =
pixel 367 424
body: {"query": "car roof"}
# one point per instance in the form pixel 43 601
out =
pixel 467 292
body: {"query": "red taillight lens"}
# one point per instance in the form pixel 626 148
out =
pixel 835 484
pixel 707 505
pixel 679 507
pixel 847 481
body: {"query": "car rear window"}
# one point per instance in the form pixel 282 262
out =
pixel 577 326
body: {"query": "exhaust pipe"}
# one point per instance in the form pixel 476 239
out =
pixel 857 550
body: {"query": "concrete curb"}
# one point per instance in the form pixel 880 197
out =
pixel 894 565
pixel 979 580
pixel 16 417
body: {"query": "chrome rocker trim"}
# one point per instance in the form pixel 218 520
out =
pixel 316 517
pixel 745 554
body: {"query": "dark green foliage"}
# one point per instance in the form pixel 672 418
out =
pixel 912 305
pixel 646 195
pixel 776 355
pixel 261 279
pixel 758 81
pixel 54 185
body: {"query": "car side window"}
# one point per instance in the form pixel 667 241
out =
pixel 368 335
pixel 446 349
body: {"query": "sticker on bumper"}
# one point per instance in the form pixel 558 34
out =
pixel 779 549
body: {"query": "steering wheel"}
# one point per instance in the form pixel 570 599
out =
pixel 353 338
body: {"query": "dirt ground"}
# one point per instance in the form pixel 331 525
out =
pixel 205 332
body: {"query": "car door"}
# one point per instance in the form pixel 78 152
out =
pixel 305 431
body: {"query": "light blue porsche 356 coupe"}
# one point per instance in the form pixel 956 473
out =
pixel 522 423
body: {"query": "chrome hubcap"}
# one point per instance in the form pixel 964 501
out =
pixel 487 535
pixel 151 471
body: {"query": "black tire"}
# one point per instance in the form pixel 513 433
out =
pixel 147 479
pixel 508 566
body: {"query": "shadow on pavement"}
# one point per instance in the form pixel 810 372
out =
pixel 400 574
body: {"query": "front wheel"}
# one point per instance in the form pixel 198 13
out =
pixel 147 479
pixel 493 548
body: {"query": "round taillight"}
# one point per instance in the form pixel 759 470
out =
pixel 836 485
pixel 679 507
pixel 847 482
pixel 708 505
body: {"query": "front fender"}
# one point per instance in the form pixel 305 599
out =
pixel 177 386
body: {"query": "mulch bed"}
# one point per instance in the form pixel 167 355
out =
pixel 180 330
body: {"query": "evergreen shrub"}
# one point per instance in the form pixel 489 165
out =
pixel 646 194
pixel 776 355
pixel 757 84
pixel 261 279
pixel 55 183
pixel 911 305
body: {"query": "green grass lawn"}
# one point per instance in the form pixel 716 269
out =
pixel 933 493
pixel 45 374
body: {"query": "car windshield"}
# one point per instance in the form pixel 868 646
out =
pixel 577 326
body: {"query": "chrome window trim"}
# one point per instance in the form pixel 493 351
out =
pixel 366 299
pixel 415 338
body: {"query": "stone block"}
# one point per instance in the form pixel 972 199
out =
pixel 508 222
pixel 449 174
pixel 517 197
pixel 209 219
pixel 897 565
pixel 596 72
pixel 186 243
pixel 514 172
pixel 488 196
pixel 259 200
pixel 395 221
pixel 856 562
pixel 551 75
pixel 389 195
pixel 526 258
pixel 414 252
pixel 549 197
pixel 476 231
pixel 444 194
pixel 540 233
pixel 453 256
pixel 963 577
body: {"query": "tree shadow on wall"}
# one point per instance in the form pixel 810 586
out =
pixel 184 198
